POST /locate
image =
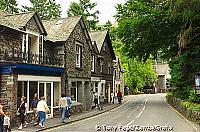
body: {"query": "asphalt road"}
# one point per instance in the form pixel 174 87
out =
pixel 147 112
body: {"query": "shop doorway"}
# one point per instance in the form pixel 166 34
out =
pixel 46 89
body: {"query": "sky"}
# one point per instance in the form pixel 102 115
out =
pixel 105 7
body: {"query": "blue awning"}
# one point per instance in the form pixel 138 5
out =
pixel 30 69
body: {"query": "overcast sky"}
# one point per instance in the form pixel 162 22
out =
pixel 106 7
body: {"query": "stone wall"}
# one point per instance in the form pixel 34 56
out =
pixel 10 40
pixel 8 95
pixel 78 35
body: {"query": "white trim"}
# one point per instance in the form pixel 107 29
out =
pixel 38 78
pixel 93 63
pixel 28 90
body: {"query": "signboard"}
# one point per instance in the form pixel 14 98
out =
pixel 197 84
pixel 10 80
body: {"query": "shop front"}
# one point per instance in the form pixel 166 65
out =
pixel 19 80
pixel 49 87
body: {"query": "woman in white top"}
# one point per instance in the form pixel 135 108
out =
pixel 62 106
pixel 42 109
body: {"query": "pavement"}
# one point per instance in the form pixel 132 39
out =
pixel 55 122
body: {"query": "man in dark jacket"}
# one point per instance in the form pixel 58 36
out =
pixel 34 108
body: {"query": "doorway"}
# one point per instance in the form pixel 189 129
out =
pixel 46 89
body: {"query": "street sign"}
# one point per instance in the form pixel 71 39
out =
pixel 197 84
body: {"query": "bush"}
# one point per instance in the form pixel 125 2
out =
pixel 194 98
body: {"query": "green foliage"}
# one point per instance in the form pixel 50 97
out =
pixel 194 98
pixel 137 73
pixel 85 8
pixel 47 9
pixel 168 27
pixel 9 6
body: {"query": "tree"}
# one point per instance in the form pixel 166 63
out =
pixel 9 6
pixel 171 28
pixel 47 9
pixel 85 8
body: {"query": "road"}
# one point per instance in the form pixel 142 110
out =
pixel 147 112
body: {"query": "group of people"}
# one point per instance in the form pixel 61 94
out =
pixel 39 108
pixel 97 100
pixel 118 96
pixel 65 103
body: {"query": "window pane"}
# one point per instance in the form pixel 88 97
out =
pixel 41 89
pixel 73 94
pixel 32 90
pixel 56 94
pixel 48 93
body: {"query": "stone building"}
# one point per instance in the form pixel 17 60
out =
pixel 102 74
pixel 118 77
pixel 26 65
pixel 68 39
pixel 32 61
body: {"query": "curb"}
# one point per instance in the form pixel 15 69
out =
pixel 98 113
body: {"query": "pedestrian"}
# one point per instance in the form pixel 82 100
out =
pixel 92 98
pixel 42 109
pixel 119 96
pixel 68 108
pixel 101 101
pixel 112 97
pixel 6 123
pixel 34 108
pixel 62 106
pixel 22 112
pixel 96 99
pixel 2 114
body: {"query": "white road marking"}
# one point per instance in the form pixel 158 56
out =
pixel 89 117
pixel 139 113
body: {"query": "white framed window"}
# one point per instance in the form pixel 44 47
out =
pixel 41 47
pixel 93 63
pixel 78 55
pixel 74 91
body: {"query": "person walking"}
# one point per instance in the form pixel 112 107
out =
pixel 62 106
pixel 68 108
pixel 119 96
pixel 6 123
pixel 101 101
pixel 112 97
pixel 22 112
pixel 2 114
pixel 96 99
pixel 42 109
pixel 34 109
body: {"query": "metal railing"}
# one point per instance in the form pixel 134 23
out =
pixel 14 55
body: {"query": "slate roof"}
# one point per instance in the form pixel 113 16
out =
pixel 98 37
pixel 60 29
pixel 20 19
pixel 6 23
